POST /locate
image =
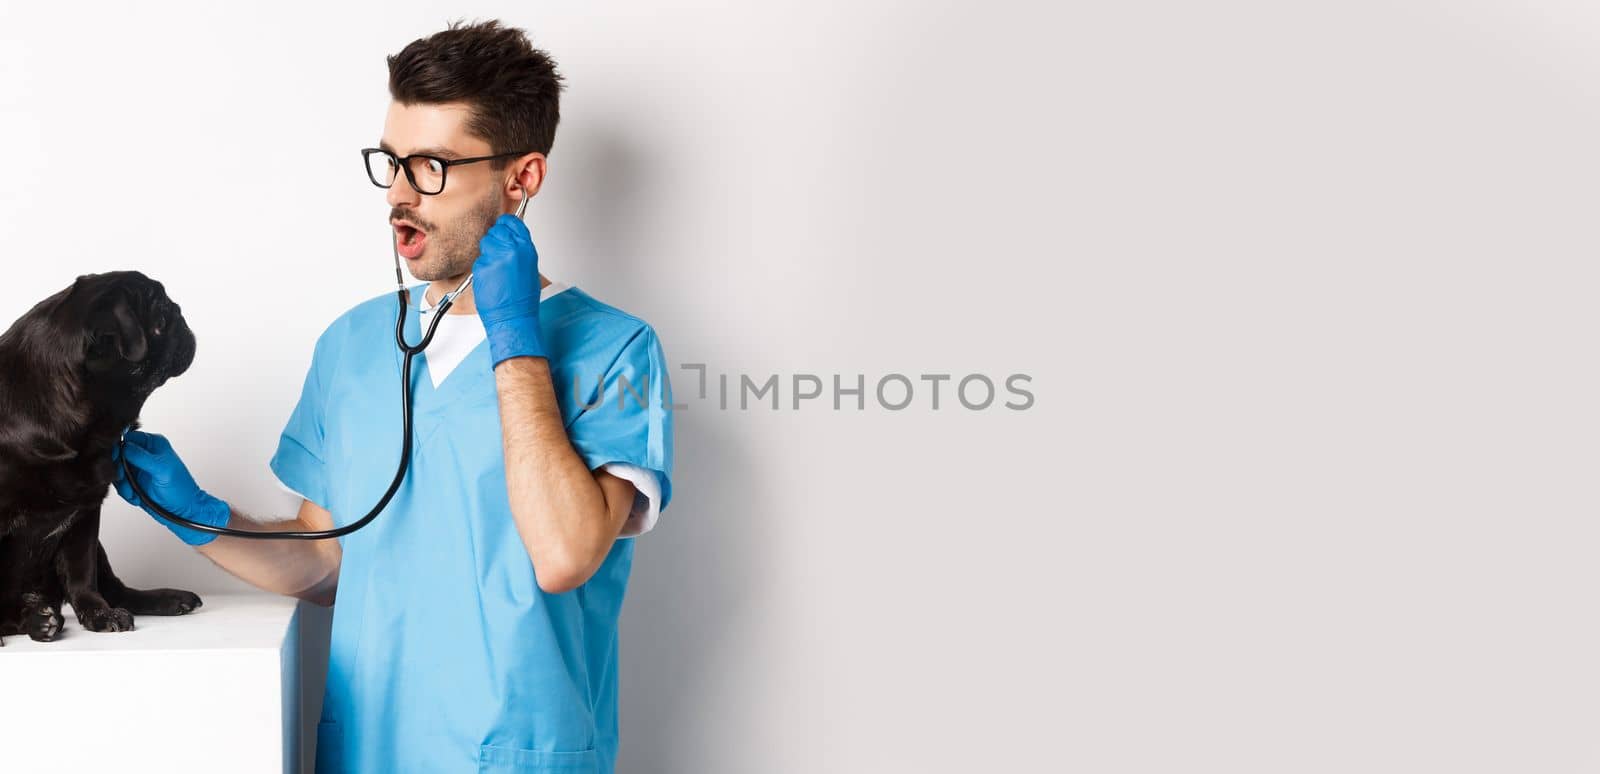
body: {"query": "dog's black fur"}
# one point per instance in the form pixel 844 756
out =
pixel 75 371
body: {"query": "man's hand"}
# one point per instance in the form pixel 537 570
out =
pixel 506 290
pixel 163 476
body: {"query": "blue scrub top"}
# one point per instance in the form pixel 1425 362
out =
pixel 446 655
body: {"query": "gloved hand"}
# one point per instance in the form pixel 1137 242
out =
pixel 505 287
pixel 163 477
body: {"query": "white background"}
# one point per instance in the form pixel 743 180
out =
pixel 1306 290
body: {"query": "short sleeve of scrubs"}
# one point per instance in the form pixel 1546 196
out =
pixel 298 463
pixel 629 432
pixel 646 503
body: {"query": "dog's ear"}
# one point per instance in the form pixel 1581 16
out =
pixel 120 331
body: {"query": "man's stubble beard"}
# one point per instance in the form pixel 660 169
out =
pixel 454 248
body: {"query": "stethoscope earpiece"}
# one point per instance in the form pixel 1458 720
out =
pixel 449 298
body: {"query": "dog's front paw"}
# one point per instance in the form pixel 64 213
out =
pixel 40 620
pixel 106 619
pixel 156 601
pixel 172 601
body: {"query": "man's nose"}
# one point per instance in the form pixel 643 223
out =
pixel 401 194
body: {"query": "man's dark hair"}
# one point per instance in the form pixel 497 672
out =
pixel 513 88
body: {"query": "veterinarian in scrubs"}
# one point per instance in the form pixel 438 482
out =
pixel 476 619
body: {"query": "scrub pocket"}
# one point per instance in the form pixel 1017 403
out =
pixel 510 760
pixel 330 746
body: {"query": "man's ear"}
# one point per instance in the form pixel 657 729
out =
pixel 529 176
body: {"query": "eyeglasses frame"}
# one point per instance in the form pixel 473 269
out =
pixel 444 166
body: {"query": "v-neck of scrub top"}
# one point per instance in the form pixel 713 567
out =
pixel 470 370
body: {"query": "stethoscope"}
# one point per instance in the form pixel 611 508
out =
pixel 409 351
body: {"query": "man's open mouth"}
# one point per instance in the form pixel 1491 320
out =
pixel 409 240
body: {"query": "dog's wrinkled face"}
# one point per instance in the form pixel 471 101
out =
pixel 134 336
pixel 76 369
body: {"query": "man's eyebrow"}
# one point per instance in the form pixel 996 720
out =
pixel 432 150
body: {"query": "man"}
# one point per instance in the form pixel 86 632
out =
pixel 476 624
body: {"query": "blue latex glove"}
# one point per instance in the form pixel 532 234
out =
pixel 163 477
pixel 505 287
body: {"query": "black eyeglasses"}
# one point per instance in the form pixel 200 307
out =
pixel 426 173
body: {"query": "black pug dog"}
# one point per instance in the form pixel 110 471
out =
pixel 75 371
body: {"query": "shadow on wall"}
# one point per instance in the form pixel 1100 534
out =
pixel 605 201
pixel 699 570
pixel 693 575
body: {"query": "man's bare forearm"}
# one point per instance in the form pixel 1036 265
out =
pixel 559 507
pixel 307 569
